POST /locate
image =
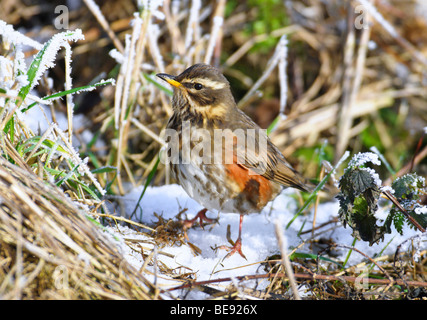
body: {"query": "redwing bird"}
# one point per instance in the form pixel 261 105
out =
pixel 202 101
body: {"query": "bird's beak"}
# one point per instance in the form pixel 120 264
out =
pixel 169 79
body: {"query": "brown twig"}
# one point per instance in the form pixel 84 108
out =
pixel 305 276
pixel 399 206
pixel 417 151
pixel 286 263
pixel 408 167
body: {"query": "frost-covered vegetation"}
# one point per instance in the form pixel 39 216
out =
pixel 88 210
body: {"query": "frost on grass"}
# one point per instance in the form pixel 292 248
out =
pixel 116 55
pixel 283 63
pixel 153 7
pixel 17 81
pixel 192 22
pixel 14 37
pixel 45 59
pixel 360 190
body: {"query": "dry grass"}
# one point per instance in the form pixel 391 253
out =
pixel 337 88
pixel 50 248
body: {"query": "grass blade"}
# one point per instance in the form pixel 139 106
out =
pixel 149 178
pixel 71 91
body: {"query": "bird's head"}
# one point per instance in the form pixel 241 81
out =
pixel 200 89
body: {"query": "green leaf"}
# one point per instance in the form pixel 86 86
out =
pixel 398 219
pixel 408 186
pixel 158 85
pixel 67 176
pixel 358 198
pixel 32 71
pixel 30 143
pixel 149 178
pixel 408 191
pixel 72 180
pixel 364 223
pixel 273 124
pixel 303 255
pixel 71 91
pixel 104 169
pixel 361 180
pixel 36 64
pixel 311 198
pixel 10 128
pixel 421 218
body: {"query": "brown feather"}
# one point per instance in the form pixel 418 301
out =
pixel 216 109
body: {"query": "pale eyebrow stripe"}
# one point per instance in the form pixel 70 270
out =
pixel 215 85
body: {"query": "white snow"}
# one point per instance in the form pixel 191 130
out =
pixel 363 157
pixel 421 210
pixel 116 55
pixel 374 176
pixel 258 236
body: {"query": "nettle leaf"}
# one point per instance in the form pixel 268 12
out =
pixel 420 217
pixel 408 186
pixel 356 181
pixel 365 223
pixel 361 180
pixel 360 192
pixel 407 190
pixel 398 219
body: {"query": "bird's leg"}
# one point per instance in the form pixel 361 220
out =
pixel 201 215
pixel 237 247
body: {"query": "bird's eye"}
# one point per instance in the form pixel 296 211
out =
pixel 198 86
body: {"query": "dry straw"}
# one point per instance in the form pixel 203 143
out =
pixel 50 249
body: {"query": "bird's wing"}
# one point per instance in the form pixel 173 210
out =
pixel 258 154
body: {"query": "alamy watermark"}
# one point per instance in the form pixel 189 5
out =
pixel 361 20
pixel 62 18
pixel 362 280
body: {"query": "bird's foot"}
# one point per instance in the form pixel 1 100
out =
pixel 236 247
pixel 201 216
